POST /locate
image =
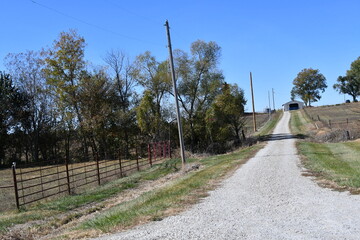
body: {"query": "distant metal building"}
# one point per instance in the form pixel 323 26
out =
pixel 293 105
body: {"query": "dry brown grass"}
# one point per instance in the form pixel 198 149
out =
pixel 261 119
pixel 336 122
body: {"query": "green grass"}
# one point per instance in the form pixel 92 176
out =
pixel 269 125
pixel 338 162
pixel 154 205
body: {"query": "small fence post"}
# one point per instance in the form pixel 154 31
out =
pixel 15 185
pixel 155 150
pixel 67 175
pixel 318 117
pixel 137 159
pixel 120 165
pixel 97 168
pixel 329 123
pixel 164 149
pixel 149 155
pixel 169 148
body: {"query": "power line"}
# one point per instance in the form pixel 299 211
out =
pixel 92 25
pixel 135 14
pixel 153 20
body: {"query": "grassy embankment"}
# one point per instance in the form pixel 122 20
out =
pixel 338 163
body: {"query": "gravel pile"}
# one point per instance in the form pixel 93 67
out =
pixel 267 198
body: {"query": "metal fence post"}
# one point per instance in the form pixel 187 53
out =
pixel 121 173
pixel 137 159
pixel 155 150
pixel 149 154
pixel 15 185
pixel 169 148
pixel 97 168
pixel 67 175
pixel 164 149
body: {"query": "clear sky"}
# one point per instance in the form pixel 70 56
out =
pixel 273 39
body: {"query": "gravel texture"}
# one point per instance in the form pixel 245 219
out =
pixel 267 198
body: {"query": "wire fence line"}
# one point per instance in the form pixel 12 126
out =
pixel 36 181
pixel 333 123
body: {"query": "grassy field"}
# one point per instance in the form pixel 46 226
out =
pixel 339 115
pixel 261 119
pixel 336 162
pixel 336 165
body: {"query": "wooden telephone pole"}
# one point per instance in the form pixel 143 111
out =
pixel 253 103
pixel 182 147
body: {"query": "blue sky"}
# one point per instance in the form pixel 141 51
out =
pixel 272 39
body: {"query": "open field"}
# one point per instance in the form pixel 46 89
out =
pixel 336 116
pixel 336 165
pixel 261 119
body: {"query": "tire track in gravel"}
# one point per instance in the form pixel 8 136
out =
pixel 267 198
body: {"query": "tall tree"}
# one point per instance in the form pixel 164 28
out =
pixel 13 109
pixel 97 95
pixel 225 118
pixel 308 85
pixel 26 70
pixel 199 81
pixel 350 84
pixel 124 82
pixel 64 65
pixel 153 76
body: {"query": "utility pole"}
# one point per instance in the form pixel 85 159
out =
pixel 273 98
pixel 182 148
pixel 253 103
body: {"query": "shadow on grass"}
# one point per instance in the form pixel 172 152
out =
pixel 281 136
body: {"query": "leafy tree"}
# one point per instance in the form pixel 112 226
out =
pixel 13 109
pixel 199 81
pixel 154 77
pixel 308 85
pixel 350 84
pixel 26 70
pixel 122 74
pixel 65 65
pixel 148 117
pixel 97 94
pixel 225 118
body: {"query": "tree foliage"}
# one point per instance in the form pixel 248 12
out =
pixel 308 85
pixel 199 81
pixel 350 83
pixel 13 109
pixel 56 106
pixel 225 118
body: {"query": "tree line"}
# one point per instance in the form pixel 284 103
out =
pixel 55 105
pixel 310 83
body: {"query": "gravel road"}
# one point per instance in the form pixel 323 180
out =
pixel 267 198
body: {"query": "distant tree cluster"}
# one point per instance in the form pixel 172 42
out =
pixel 54 105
